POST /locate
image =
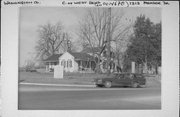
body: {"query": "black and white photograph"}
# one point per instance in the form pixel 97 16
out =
pixel 89 58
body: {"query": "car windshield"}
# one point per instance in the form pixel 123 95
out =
pixel 118 75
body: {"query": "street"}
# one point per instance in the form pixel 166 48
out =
pixel 33 97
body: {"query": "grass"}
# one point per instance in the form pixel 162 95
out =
pixel 69 78
pixel 73 78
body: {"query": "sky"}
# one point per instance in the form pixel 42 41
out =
pixel 31 18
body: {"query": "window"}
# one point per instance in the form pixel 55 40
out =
pixel 70 63
pixel 63 63
pixel 67 64
pixel 55 63
pixel 121 76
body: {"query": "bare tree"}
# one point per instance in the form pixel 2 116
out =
pixel 51 39
pixel 30 65
pixel 95 29
pixel 66 44
pixel 120 48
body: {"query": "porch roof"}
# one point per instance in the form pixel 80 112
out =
pixel 53 58
pixel 82 56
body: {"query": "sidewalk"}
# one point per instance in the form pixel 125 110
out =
pixel 58 81
pixel 56 85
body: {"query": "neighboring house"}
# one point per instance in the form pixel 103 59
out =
pixel 71 61
pixel 95 51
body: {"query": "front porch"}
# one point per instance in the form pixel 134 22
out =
pixel 86 66
pixel 50 65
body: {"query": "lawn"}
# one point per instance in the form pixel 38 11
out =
pixel 69 78
pixel 74 78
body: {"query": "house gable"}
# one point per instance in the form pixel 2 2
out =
pixel 68 62
pixel 66 56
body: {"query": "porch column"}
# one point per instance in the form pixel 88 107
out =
pixel 81 65
pixel 133 67
pixel 90 65
pixel 50 65
pixel 47 66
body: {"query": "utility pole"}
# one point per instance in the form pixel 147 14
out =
pixel 108 41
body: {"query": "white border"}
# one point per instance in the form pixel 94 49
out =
pixel 170 68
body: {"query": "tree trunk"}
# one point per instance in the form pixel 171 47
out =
pixel 145 67
pixel 156 69
pixel 98 70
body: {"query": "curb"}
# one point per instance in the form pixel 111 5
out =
pixel 60 85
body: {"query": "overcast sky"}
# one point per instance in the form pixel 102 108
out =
pixel 32 17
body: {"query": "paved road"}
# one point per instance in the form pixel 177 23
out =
pixel 82 98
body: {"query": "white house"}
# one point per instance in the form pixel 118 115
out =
pixel 68 62
pixel 71 61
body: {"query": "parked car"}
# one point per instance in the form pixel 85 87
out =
pixel 124 79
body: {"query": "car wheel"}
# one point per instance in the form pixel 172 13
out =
pixel 135 85
pixel 108 84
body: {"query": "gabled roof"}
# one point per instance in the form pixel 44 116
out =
pixel 53 58
pixel 82 56
pixel 76 55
